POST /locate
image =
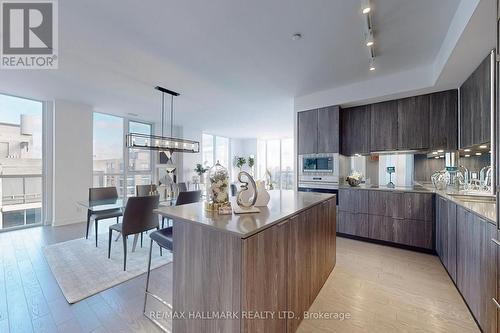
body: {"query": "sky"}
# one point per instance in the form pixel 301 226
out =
pixel 11 109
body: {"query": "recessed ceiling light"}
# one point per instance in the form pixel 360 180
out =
pixel 440 151
pixel 434 153
pixel 467 155
pixel 365 6
pixel 296 36
pixel 467 150
pixel 437 157
pixel 478 154
pixel 483 146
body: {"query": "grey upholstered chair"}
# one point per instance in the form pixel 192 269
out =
pixel 102 194
pixel 185 198
pixel 182 187
pixel 145 190
pixel 138 217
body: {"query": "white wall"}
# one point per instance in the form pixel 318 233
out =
pixel 72 160
pixel 189 160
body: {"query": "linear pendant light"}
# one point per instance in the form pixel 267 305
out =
pixel 166 144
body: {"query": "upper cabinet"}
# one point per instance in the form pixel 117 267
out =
pixel 413 122
pixel 443 133
pixel 318 131
pixel 355 128
pixel 475 106
pixel 328 130
pixel 384 126
pixel 425 122
pixel 308 132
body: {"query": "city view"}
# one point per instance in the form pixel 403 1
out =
pixel 20 162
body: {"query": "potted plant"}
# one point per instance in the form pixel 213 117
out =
pixel 239 162
pixel 200 171
pixel 251 163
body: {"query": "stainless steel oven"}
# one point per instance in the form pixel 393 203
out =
pixel 319 173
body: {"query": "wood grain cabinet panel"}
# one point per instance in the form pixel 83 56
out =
pixel 418 206
pixel 451 264
pixel 328 130
pixel 307 132
pixel 476 267
pixel 355 125
pixel 444 120
pixel 299 268
pixel 475 106
pixel 413 122
pixel 384 126
pixel 265 258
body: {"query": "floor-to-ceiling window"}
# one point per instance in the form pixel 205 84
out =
pixel 114 164
pixel 21 170
pixel 215 148
pixel 275 158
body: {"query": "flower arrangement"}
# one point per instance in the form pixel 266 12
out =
pixel 219 184
pixel 354 179
pixel 251 161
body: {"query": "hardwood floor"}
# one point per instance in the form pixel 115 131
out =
pixel 31 301
pixel 383 289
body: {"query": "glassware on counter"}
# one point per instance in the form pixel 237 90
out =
pixel 441 179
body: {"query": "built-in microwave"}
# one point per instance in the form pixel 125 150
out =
pixel 317 163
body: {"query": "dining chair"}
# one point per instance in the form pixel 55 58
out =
pixel 234 190
pixel 165 240
pixel 185 198
pixel 182 187
pixel 138 217
pixel 102 194
pixel 145 190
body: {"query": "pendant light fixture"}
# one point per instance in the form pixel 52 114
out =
pixel 166 144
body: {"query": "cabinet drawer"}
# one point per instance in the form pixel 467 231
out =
pixel 353 224
pixel 418 206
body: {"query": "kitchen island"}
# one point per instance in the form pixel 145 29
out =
pixel 254 272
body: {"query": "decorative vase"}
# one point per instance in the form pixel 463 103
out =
pixel 219 184
pixel 263 196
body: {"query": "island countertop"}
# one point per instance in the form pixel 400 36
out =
pixel 283 204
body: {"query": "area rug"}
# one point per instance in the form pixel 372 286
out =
pixel 82 270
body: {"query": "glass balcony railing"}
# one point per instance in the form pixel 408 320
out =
pixel 20 200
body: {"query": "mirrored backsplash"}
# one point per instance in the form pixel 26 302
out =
pixel 408 168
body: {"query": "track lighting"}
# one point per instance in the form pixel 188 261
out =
pixel 369 39
pixel 365 6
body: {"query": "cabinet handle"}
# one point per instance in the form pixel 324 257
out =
pixel 496 302
pixel 495 241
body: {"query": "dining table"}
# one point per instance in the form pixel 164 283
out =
pixel 119 203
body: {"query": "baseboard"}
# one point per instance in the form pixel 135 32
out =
pixel 380 242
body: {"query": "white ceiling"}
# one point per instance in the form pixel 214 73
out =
pixel 233 61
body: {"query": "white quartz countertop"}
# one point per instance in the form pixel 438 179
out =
pixel 283 205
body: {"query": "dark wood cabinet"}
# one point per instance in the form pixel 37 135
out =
pixel 307 132
pixel 446 235
pixel 476 266
pixel 384 126
pixel 399 217
pixel 328 130
pixel 294 258
pixel 318 131
pixel 413 122
pixel 418 206
pixel 354 200
pixel 355 126
pixel 475 106
pixel 443 132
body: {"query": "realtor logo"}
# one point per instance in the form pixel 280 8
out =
pixel 29 34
